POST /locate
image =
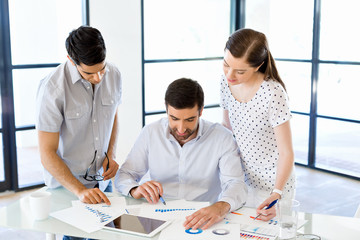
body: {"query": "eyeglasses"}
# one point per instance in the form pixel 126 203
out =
pixel 95 177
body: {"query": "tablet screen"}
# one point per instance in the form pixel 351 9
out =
pixel 135 224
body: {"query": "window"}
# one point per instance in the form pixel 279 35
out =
pixel 35 33
pixel 189 43
pixel 318 61
pixel 315 53
pixel 338 122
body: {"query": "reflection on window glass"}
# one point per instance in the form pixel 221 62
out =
pixel 287 24
pixel 338 91
pixel 339 39
pixel 297 79
pixel 337 147
pixel 160 75
pixel 30 170
pixel 185 29
pixel 2 168
pixel 300 136
pixel 39 29
pixel 25 84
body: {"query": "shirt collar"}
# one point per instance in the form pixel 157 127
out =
pixel 169 136
pixel 74 73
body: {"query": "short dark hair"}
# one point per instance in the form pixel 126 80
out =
pixel 184 93
pixel 86 45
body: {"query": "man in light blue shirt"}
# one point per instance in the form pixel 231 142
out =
pixel 185 157
pixel 77 118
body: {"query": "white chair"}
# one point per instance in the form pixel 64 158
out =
pixel 357 214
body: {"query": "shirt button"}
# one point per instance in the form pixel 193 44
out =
pixel 94 120
pixel 77 114
pixel 112 101
pixel 97 139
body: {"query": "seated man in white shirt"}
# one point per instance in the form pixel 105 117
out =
pixel 185 157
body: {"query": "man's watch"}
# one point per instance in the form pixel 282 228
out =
pixel 275 190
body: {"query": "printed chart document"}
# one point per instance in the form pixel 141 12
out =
pixel 176 231
pixel 116 202
pixel 91 217
pixel 176 209
pixel 252 228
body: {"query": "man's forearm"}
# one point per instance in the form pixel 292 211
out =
pixel 224 207
pixel 60 171
pixel 113 138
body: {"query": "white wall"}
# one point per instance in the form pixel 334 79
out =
pixel 119 21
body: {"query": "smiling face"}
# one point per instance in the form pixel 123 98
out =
pixel 237 70
pixel 184 123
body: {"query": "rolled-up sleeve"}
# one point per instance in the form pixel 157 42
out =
pixel 135 166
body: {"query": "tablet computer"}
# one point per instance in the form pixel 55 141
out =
pixel 142 226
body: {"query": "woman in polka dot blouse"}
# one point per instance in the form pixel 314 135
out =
pixel 256 108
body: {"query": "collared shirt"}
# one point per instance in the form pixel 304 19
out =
pixel 207 168
pixel 83 116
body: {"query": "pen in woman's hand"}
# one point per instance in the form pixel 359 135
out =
pixel 268 207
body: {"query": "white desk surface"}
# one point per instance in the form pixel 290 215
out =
pixel 17 216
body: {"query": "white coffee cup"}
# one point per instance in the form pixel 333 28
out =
pixel 40 205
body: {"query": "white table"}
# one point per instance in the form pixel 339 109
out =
pixel 17 216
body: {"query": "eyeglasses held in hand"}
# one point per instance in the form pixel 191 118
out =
pixel 96 177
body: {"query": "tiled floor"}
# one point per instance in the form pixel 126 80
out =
pixel 318 192
pixel 325 193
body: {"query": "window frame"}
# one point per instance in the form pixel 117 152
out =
pixel 8 128
pixel 237 21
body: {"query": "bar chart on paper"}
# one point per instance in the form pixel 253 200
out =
pixel 176 209
pixel 254 236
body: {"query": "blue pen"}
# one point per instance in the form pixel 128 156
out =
pixel 162 200
pixel 268 207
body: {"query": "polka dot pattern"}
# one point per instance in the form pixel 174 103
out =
pixel 253 125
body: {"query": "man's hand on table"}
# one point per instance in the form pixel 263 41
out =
pixel 150 190
pixel 206 217
pixel 92 196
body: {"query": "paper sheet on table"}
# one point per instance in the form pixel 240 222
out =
pixel 247 235
pixel 245 217
pixel 116 202
pixel 177 209
pixel 176 231
pixel 85 217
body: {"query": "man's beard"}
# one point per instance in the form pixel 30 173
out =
pixel 188 132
